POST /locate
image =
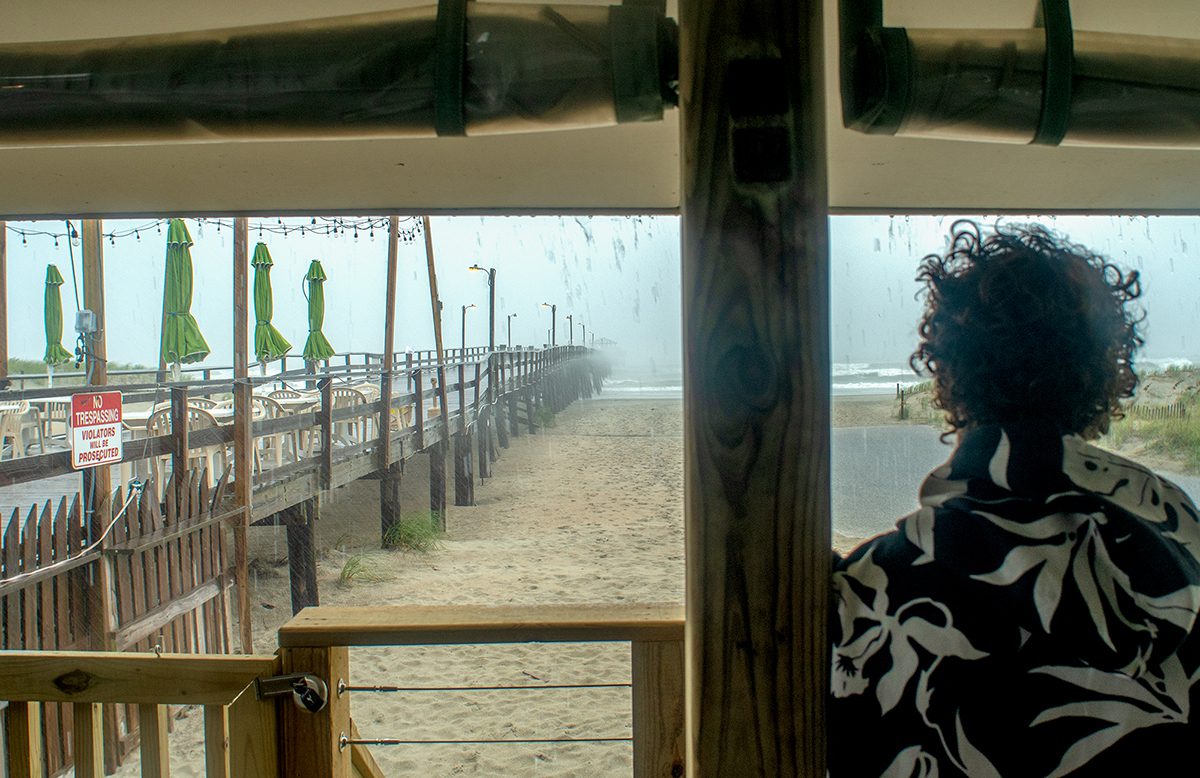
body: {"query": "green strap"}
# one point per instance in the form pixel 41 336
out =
pixel 1058 73
pixel 449 115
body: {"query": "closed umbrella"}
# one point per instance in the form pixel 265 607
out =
pixel 55 353
pixel 268 343
pixel 317 346
pixel 182 342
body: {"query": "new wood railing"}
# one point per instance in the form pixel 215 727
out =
pixel 317 640
pixel 240 731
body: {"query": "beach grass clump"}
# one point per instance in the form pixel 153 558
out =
pixel 544 417
pixel 361 568
pixel 414 532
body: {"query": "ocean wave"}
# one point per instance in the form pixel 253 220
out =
pixel 856 369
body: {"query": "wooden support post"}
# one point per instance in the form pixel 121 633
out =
pixel 152 740
pixel 497 389
pixel 325 419
pixel 243 436
pixel 658 726
pixel 389 503
pixel 464 481
pixel 419 408
pixel 302 553
pixel 311 746
pixel 179 438
pixel 4 304
pixel 755 298
pixel 437 485
pixel 216 742
pixel 87 744
pixel 97 482
pixel 389 483
pixel 23 737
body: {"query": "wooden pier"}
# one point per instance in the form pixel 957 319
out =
pixel 153 569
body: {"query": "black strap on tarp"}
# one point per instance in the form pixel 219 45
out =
pixel 1057 75
pixel 449 115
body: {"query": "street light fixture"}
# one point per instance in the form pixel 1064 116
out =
pixel 511 316
pixel 491 277
pixel 553 321
pixel 465 308
pixel 584 341
pixel 570 329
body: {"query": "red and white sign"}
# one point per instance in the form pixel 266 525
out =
pixel 95 429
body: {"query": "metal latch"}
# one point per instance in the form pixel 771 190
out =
pixel 309 692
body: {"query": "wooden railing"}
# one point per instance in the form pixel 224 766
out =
pixel 239 729
pixel 318 638
pixel 249 737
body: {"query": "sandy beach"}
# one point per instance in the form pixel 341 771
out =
pixel 589 512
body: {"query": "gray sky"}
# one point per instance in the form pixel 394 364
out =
pixel 619 275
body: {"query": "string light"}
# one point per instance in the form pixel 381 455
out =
pixel 410 229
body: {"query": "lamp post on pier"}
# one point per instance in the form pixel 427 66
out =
pixel 511 316
pixel 553 321
pixel 584 341
pixel 491 278
pixel 570 329
pixel 465 308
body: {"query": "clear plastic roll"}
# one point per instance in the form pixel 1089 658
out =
pixel 523 68
pixel 1126 90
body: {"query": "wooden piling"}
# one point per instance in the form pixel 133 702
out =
pixel 300 521
pixel 756 295
pixel 243 439
pixel 437 485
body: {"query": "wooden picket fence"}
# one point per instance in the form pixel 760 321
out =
pixel 1175 410
pixel 157 582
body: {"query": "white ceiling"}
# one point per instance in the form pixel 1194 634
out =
pixel 633 167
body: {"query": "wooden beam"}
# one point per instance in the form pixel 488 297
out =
pixel 402 625
pixel 756 403
pixel 253 736
pixel 216 742
pixel 23 738
pixel 243 436
pixel 658 710
pixel 87 744
pixel 311 741
pixel 302 554
pixel 135 679
pixel 389 341
pixel 152 741
pixel 4 304
pixel 436 304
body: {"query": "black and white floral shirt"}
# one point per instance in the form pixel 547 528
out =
pixel 1034 618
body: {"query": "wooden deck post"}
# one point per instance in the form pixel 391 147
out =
pixel 464 477
pixel 152 737
pixel 86 744
pixel 325 418
pixel 300 520
pixel 756 403
pixel 243 435
pixel 181 445
pixel 97 483
pixel 658 692
pixel 496 390
pixel 310 742
pixel 389 483
pixel 437 484
pixel 23 738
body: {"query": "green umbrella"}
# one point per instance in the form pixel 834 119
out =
pixel 55 353
pixel 268 343
pixel 182 342
pixel 316 347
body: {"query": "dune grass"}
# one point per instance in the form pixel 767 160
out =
pixel 414 532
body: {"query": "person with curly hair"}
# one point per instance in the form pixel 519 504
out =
pixel 1036 616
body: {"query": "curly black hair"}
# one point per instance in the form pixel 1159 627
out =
pixel 1023 326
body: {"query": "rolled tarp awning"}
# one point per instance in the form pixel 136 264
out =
pixel 451 69
pixel 1047 85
